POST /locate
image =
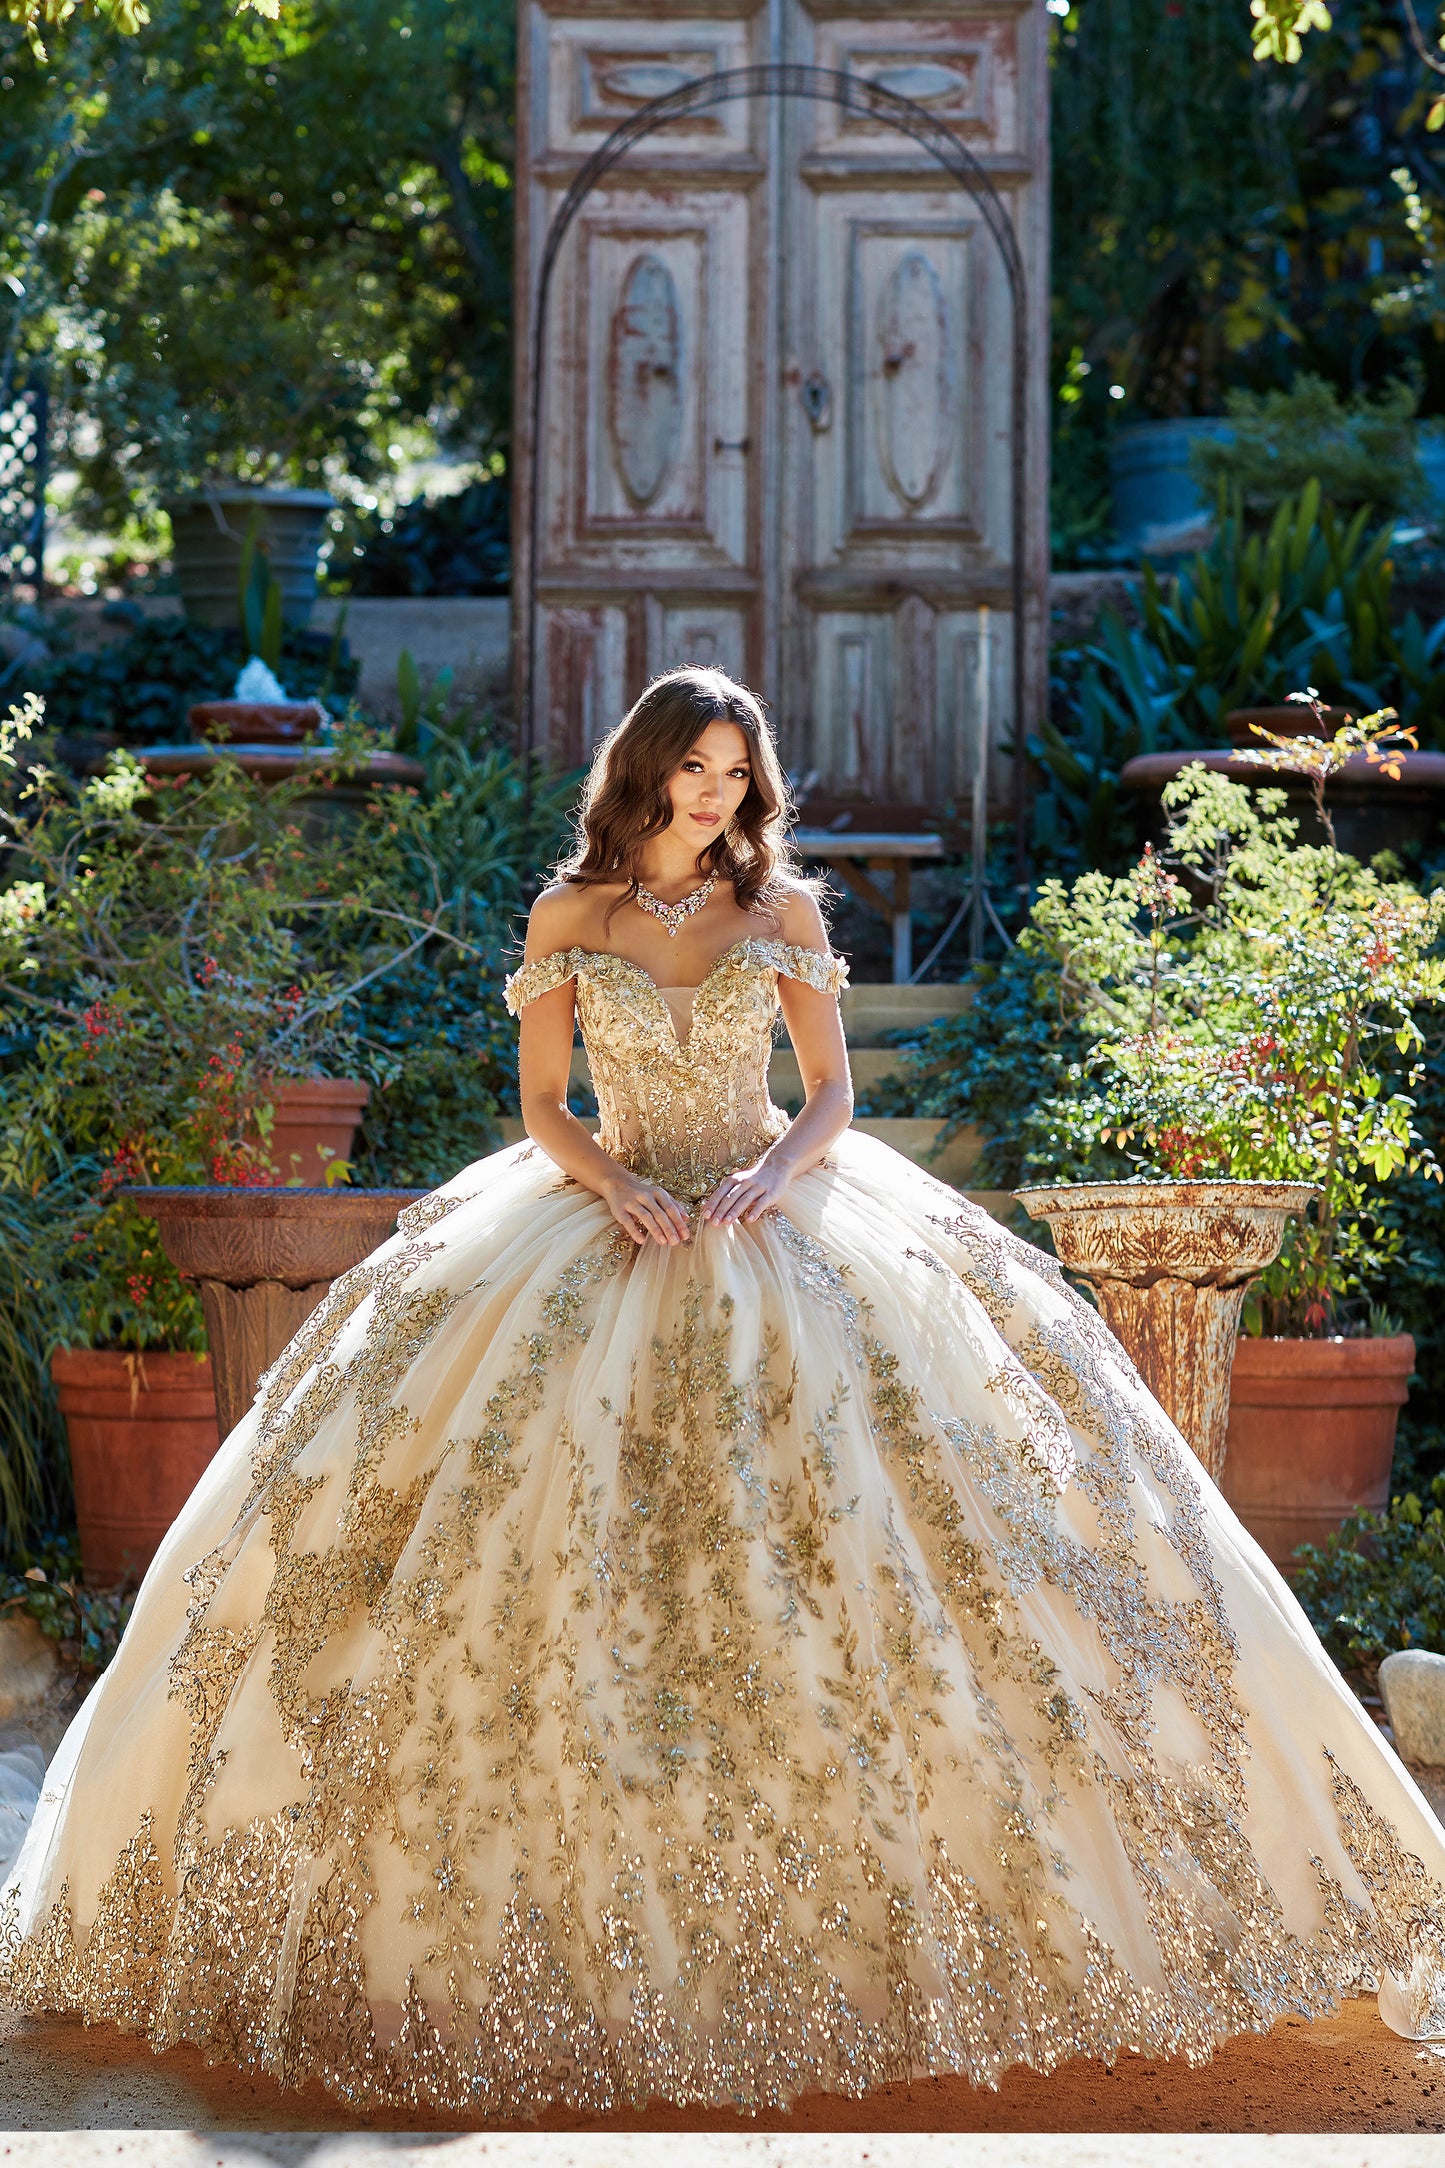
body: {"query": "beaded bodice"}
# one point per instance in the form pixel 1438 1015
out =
pixel 682 1111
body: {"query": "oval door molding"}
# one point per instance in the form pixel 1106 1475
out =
pixel 916 380
pixel 637 82
pixel 924 82
pixel 645 389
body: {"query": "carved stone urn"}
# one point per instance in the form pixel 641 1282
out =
pixel 1169 1263
pixel 263 1259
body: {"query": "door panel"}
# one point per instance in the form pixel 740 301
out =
pixel 779 382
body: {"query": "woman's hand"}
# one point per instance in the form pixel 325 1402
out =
pixel 645 1210
pixel 747 1193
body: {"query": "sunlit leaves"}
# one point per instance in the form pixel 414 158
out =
pixel 1279 25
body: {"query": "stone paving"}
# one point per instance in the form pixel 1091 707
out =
pixel 187 2149
pixel 1346 2075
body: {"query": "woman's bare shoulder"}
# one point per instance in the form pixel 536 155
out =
pixel 565 915
pixel 800 922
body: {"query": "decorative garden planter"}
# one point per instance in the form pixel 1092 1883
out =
pixel 314 1120
pixel 1371 811
pixel 263 1259
pixel 1170 1262
pixel 330 798
pixel 209 533
pixel 1312 1434
pixel 141 1429
pixel 1150 482
pixel 256 722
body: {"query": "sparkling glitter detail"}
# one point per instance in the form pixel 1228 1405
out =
pixel 680 1115
pixel 798 1660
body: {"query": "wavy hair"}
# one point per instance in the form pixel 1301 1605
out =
pixel 626 802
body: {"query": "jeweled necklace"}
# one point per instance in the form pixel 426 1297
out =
pixel 673 914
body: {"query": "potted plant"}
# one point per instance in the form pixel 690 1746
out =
pixel 180 967
pixel 1249 1009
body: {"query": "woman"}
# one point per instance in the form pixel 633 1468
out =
pixel 705 1614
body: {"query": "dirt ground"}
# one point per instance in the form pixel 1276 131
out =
pixel 1343 2074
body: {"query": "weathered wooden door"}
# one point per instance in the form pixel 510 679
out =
pixel 777 394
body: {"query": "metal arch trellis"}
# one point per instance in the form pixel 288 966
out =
pixel 854 94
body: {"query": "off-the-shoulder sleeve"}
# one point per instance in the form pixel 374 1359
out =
pixel 539 977
pixel 818 968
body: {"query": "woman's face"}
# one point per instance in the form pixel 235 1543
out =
pixel 709 784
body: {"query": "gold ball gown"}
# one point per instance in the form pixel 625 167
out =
pixel 801 1658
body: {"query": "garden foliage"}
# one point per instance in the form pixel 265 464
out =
pixel 456 545
pixel 139 688
pixel 169 949
pixel 1246 1006
pixel 1379 1584
pixel 265 249
pixel 1240 624
pixel 1359 452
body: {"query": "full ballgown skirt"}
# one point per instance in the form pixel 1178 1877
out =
pixel 802 1658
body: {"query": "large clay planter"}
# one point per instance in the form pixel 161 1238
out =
pixel 256 722
pixel 1312 1435
pixel 1169 1263
pixel 315 1120
pixel 1371 811
pixel 209 532
pixel 142 1429
pixel 263 1259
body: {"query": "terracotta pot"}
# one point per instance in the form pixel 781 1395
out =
pixel 142 1429
pixel 1312 1434
pixel 1292 721
pixel 315 1121
pixel 256 722
pixel 1169 1263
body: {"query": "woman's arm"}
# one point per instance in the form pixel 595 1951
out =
pixel 816 1030
pixel 644 1209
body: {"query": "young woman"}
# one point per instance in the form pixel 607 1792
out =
pixel 703 1613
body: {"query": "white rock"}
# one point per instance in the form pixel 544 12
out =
pixel 1412 1682
pixel 30 1667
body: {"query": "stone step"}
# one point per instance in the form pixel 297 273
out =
pixel 910 1135
pixel 871 1011
pixel 869 1064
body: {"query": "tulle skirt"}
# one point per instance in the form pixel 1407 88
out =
pixel 800 1659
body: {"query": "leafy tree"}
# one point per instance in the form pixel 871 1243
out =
pixel 272 249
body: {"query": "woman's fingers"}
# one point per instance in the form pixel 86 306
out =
pixel 746 1191
pixel 679 1218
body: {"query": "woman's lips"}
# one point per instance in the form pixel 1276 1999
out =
pixel 708 820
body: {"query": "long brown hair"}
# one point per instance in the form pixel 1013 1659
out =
pixel 626 800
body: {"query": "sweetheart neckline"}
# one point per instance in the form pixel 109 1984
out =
pixel 611 955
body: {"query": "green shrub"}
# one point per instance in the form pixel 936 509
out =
pixel 453 545
pixel 43 1581
pixel 1360 452
pixel 1260 1023
pixel 1379 1585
